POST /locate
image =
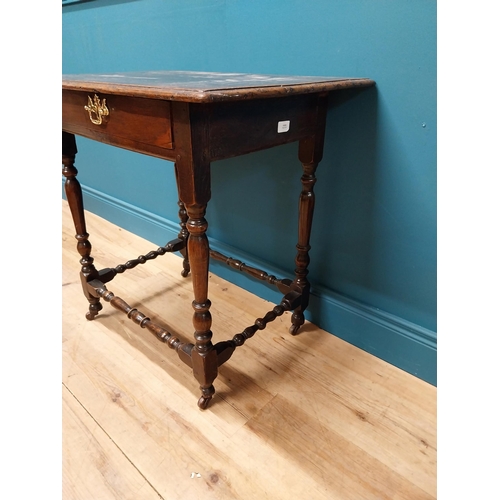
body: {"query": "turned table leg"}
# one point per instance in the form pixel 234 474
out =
pixel 192 172
pixel 75 201
pixel 310 154
pixel 183 235
pixel 306 211
pixel 203 355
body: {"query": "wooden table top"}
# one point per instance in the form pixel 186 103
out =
pixel 196 86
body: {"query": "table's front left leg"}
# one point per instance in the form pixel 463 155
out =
pixel 75 201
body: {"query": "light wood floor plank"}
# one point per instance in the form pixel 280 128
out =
pixel 293 417
pixel 93 463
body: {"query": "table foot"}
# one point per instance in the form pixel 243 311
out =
pixel 93 311
pixel 206 397
pixel 297 322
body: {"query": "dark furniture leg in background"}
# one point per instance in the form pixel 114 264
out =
pixel 310 154
pixel 183 235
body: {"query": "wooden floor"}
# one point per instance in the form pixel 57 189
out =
pixel 307 417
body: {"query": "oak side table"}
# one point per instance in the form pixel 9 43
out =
pixel 192 119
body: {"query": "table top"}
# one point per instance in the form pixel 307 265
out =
pixel 196 86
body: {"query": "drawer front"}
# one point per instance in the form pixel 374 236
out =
pixel 143 125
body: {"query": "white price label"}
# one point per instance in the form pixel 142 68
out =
pixel 283 126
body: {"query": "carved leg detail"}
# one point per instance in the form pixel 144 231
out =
pixel 183 235
pixel 310 154
pixel 306 210
pixel 75 201
pixel 203 355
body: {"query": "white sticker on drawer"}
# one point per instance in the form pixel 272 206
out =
pixel 283 126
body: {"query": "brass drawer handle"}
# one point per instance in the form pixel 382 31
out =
pixel 96 109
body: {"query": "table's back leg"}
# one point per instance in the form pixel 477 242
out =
pixel 306 210
pixel 310 154
pixel 75 202
pixel 183 235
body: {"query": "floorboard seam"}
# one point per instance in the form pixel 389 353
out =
pixel 112 440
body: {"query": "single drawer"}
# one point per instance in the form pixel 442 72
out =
pixel 139 124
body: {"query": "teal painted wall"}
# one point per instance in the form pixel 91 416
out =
pixel 374 236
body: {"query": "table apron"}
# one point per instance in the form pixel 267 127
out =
pixel 234 128
pixel 242 127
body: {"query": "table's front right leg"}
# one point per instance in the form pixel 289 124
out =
pixel 75 202
pixel 203 355
pixel 192 172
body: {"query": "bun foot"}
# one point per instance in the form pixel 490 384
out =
pixel 297 322
pixel 93 311
pixel 185 273
pixel 203 402
pixel 206 396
